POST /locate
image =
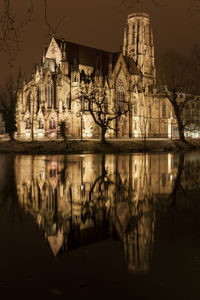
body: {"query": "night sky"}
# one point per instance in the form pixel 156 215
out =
pixel 100 23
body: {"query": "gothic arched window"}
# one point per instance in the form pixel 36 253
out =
pixel 41 124
pixel 135 107
pixel 138 32
pixel 28 102
pixel 106 104
pixel 164 110
pixel 68 101
pixel 49 94
pixel 52 124
pixel 38 97
pixel 149 110
pixel 120 95
pixel 28 124
pixel 133 34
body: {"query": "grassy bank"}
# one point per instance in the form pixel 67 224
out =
pixel 89 146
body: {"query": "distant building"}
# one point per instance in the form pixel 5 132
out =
pixel 51 96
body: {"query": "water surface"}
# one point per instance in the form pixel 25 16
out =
pixel 94 226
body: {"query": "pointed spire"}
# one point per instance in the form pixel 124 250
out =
pixel 110 64
pixel 19 79
pixel 64 51
pixel 125 41
pixel 25 79
pixel 44 52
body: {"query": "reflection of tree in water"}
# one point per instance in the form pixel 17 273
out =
pixel 182 205
pixel 9 196
pixel 93 211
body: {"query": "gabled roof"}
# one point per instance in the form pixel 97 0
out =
pixel 89 56
pixel 85 55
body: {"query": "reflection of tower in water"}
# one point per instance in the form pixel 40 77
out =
pixel 133 212
pixel 138 242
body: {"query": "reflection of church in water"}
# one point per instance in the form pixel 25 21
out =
pixel 81 199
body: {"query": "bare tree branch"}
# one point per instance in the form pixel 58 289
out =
pixel 11 27
pixel 52 30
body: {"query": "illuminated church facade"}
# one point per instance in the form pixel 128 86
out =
pixel 52 95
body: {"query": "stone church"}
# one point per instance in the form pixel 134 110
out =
pixel 51 96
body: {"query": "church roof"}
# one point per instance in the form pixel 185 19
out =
pixel 89 56
pixel 85 55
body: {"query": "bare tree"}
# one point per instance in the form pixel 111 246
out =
pixel 11 26
pixel 12 23
pixel 176 76
pixel 8 101
pixel 102 111
pixel 193 5
pixel 144 120
pixel 52 29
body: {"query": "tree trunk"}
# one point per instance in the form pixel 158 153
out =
pixel 103 132
pixel 12 136
pixel 180 128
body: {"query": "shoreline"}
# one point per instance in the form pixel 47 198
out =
pixel 95 146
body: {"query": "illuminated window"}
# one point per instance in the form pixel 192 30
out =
pixel 28 124
pixel 38 97
pixel 163 180
pixel 133 34
pixel 29 101
pixel 138 31
pixel 164 110
pixel 120 99
pixel 149 110
pixel 52 124
pixel 85 105
pixel 49 94
pixel 135 183
pixel 106 104
pixel 68 100
pixel 135 107
pixel 41 124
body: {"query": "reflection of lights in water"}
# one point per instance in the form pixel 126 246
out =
pixel 169 159
pixel 53 164
pixel 42 175
pixel 70 198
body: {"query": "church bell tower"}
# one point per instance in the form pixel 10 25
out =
pixel 138 44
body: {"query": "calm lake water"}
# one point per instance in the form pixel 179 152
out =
pixel 100 226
